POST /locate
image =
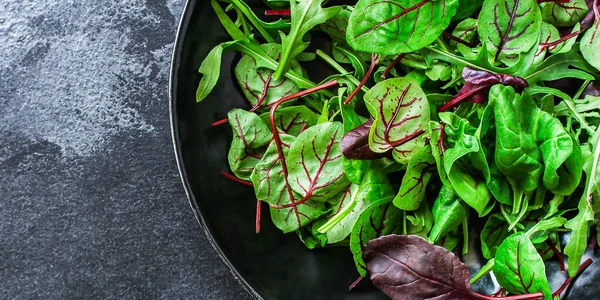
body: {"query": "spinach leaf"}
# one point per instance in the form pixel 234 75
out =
pixel 466 8
pixel 519 268
pixel 400 26
pixel 448 213
pixel 379 219
pixel 315 162
pixel 509 26
pixel 250 134
pixel 414 182
pixel 558 66
pixel 292 119
pixel 494 232
pixel 401 113
pixel 305 15
pixel 591 42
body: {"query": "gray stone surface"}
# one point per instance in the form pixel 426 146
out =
pixel 91 205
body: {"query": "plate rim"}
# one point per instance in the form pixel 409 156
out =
pixel 177 51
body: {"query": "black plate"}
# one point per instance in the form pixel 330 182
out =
pixel 269 265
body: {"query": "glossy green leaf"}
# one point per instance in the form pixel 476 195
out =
pixel 415 180
pixel 466 30
pixel 401 114
pixel 398 26
pixel 494 232
pixel 590 43
pixel 336 26
pixel 304 15
pixel 563 13
pixel 310 237
pixel 315 162
pixel 250 134
pixel 558 66
pixel 292 119
pixel 519 268
pixel 509 26
pixel 420 221
pixel 448 214
pixel 466 8
pixel 210 70
pixel 379 219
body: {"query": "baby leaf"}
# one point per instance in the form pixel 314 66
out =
pixel 401 114
pixel 414 182
pixel 355 169
pixel 563 13
pixel 210 70
pixel 258 84
pixel 448 213
pixel 381 218
pixel 509 26
pixel 466 30
pixel 249 134
pixel 590 43
pixel 408 267
pixel 466 8
pixel 315 162
pixel 398 26
pixel 355 143
pixel 335 27
pixel 519 268
pixel 305 15
pixel 560 65
pixel 494 232
pixel 292 119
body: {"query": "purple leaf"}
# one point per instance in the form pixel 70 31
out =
pixel 355 143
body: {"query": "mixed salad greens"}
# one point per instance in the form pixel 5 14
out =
pixel 433 117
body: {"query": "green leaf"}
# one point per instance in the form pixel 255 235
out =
pixel 509 26
pixel 258 84
pixel 374 187
pixel 210 70
pixel 305 15
pixel 250 134
pixel 563 13
pixel 311 237
pixel 448 214
pixel 437 147
pixel 466 30
pixel 265 28
pixel 401 114
pixel 420 221
pixel 379 219
pixel 519 268
pixel 558 66
pixel 315 162
pixel 399 26
pixel 466 8
pixel 414 182
pixel 590 43
pixel 292 119
pixel 336 26
pixel 355 169
pixel 494 232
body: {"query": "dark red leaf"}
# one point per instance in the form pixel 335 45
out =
pixel 409 267
pixel 355 143
pixel 593 89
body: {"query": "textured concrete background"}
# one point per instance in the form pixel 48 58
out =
pixel 91 205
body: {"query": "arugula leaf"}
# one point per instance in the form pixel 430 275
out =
pixel 401 113
pixel 305 15
pixel 249 135
pixel 400 26
pixel 589 43
pixel 414 182
pixel 519 268
pixel 509 26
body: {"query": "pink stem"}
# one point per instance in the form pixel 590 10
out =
pixel 233 178
pixel 278 12
pixel 364 80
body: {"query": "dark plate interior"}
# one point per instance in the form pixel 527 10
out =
pixel 269 265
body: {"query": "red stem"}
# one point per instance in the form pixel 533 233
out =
pixel 561 40
pixel 513 297
pixel 593 243
pixel 220 122
pixel 233 178
pixel 456 39
pixel 374 62
pixel 355 283
pixel 565 284
pixel 466 91
pixel 389 68
pixel 278 12
pixel 258 216
pixel 561 260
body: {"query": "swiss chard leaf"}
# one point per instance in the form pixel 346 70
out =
pixel 509 26
pixel 563 13
pixel 401 114
pixel 305 15
pixel 250 134
pixel 519 268
pixel 399 26
pixel 408 267
pixel 379 219
pixel 466 30
pixel 414 182
pixel 590 43
pixel 293 119
pixel 315 162
pixel 494 232
pixel 448 214
pixel 258 84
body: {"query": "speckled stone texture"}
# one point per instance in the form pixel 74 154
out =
pixel 91 205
